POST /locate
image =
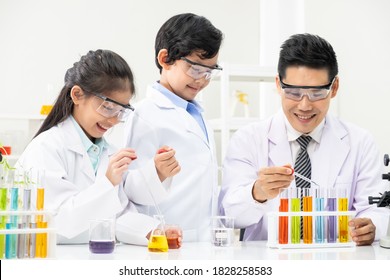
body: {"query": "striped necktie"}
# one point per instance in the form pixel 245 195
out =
pixel 303 167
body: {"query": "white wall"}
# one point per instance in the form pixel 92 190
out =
pixel 40 39
pixel 359 32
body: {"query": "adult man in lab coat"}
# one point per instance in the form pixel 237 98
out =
pixel 341 154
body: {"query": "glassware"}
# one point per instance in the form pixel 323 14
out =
pixel 158 240
pixel 102 236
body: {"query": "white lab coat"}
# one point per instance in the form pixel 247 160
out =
pixel 188 200
pixel 75 193
pixel 347 156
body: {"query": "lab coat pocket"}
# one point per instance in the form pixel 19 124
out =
pixel 343 182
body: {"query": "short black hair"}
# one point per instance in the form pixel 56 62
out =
pixel 307 50
pixel 185 33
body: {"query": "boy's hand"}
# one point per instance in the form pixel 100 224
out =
pixel 166 163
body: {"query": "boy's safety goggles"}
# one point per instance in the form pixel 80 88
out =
pixel 198 71
pixel 314 93
pixel 110 108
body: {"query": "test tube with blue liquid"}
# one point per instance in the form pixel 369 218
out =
pixel 319 220
pixel 331 205
pixel 295 220
pixel 12 223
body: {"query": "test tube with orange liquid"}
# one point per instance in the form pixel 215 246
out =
pixel 307 220
pixel 283 220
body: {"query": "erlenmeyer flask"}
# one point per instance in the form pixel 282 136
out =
pixel 158 240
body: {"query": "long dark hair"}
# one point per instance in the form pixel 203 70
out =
pixel 100 71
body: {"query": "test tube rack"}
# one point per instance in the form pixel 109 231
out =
pixel 49 231
pixel 273 229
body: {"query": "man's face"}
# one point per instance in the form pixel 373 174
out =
pixel 305 115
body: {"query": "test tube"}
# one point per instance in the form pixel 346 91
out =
pixel 3 207
pixel 295 220
pixel 31 239
pixel 12 223
pixel 283 220
pixel 331 205
pixel 343 220
pixel 319 220
pixel 307 220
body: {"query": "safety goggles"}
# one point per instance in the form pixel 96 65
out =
pixel 314 93
pixel 198 71
pixel 110 108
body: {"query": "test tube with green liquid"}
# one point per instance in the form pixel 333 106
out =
pixel 343 220
pixel 283 220
pixel 307 220
pixel 3 207
pixel 295 220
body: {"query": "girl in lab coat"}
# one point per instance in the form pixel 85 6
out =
pixel 83 173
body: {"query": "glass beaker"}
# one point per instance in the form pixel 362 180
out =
pixel 158 240
pixel 102 236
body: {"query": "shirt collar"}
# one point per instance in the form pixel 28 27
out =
pixel 293 135
pixel 87 143
pixel 175 99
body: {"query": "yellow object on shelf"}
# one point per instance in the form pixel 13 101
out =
pixel 46 109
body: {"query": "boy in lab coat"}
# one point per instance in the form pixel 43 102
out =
pixel 186 52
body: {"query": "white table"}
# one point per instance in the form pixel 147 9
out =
pixel 250 250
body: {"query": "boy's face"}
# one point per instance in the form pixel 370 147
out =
pixel 305 115
pixel 179 78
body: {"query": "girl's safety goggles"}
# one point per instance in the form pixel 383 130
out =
pixel 110 108
pixel 314 93
pixel 198 71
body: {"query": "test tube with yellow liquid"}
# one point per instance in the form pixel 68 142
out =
pixel 37 177
pixel 158 240
pixel 283 220
pixel 343 220
pixel 307 220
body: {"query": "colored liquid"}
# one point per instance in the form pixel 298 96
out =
pixel 3 220
pixel 332 222
pixel 10 243
pixel 158 243
pixel 295 221
pixel 343 220
pixel 283 222
pixel 14 198
pixel 173 243
pixel 319 221
pixel 307 220
pixel 101 247
pixel 40 200
pixel 41 242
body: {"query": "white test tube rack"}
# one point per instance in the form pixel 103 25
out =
pixel 51 231
pixel 273 230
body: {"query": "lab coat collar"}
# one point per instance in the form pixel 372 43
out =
pixel 76 146
pixel 332 149
pixel 163 102
pixel 279 147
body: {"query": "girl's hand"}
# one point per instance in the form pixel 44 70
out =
pixel 118 164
